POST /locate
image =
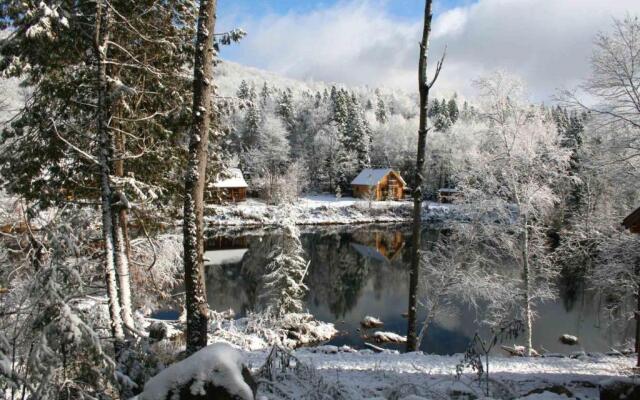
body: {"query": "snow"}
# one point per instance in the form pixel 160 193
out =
pixel 321 210
pixel 365 375
pixel 218 364
pixel 370 176
pixel 257 332
pixel 235 180
pixel 223 257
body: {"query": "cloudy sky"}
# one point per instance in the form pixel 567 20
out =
pixel 375 42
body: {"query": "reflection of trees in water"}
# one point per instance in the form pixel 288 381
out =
pixel 337 274
pixel 237 285
pixel 336 277
pixel 571 286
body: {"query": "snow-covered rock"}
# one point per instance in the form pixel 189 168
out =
pixel 215 367
pixel 371 322
pixel 568 339
pixel 389 337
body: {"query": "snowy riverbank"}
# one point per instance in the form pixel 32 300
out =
pixel 320 210
pixel 365 375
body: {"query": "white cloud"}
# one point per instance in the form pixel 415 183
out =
pixel 547 42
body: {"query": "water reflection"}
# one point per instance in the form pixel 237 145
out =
pixel 363 270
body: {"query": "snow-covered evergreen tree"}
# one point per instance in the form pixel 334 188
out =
pixel 284 286
pixel 381 110
pixel 357 134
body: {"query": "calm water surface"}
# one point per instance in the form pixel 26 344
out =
pixel 363 270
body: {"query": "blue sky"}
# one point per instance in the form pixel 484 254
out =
pixel 547 43
pixel 410 9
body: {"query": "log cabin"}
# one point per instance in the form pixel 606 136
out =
pixel 379 184
pixel 232 189
pixel 632 222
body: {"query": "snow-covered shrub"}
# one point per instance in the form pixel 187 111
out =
pixel 156 269
pixel 258 331
pixel 49 345
pixel 286 377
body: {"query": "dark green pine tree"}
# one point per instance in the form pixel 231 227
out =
pixel 453 111
pixel 50 143
pixel 358 137
pixel 381 111
pixel 571 127
pixel 434 109
pixel 251 127
pixel 285 109
pixel 243 90
pixel 265 95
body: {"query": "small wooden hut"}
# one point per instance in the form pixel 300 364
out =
pixel 379 184
pixel 232 189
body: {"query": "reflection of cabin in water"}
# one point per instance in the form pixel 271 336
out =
pixel 381 246
pixel 380 184
pixel 232 189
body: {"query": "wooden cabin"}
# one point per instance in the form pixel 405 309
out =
pixel 232 189
pixel 632 222
pixel 379 184
pixel 448 195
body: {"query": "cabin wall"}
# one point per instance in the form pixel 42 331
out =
pixel 229 195
pixel 381 190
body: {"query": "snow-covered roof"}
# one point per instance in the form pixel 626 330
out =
pixel 372 176
pixel 235 180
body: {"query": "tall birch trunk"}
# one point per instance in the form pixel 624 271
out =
pixel 120 235
pixel 527 290
pixel 423 86
pixel 193 225
pixel 122 269
pixel 101 39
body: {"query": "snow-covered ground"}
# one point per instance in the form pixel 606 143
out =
pixel 366 375
pixel 320 210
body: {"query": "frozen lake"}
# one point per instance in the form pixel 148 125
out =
pixel 363 270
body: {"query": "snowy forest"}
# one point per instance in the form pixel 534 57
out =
pixel 177 225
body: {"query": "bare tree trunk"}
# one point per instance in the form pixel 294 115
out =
pixel 423 86
pixel 120 234
pixel 196 295
pixel 527 290
pixel 104 146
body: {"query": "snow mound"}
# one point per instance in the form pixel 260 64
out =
pixel 218 364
